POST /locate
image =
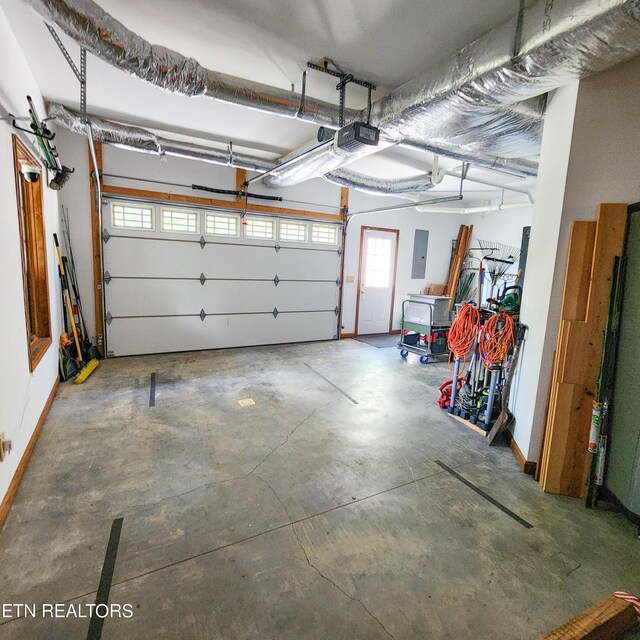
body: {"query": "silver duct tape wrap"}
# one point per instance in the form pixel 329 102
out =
pixel 138 139
pixel 379 186
pixel 560 40
pixel 98 32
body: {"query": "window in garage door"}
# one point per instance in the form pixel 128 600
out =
pixel 180 220
pixel 259 228
pixel 221 224
pixel 132 216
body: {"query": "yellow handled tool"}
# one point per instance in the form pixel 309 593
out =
pixel 67 297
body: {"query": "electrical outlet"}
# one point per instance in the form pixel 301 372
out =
pixel 5 446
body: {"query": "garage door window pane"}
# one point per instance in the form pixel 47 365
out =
pixel 221 225
pixel 324 234
pixel 131 216
pixel 293 231
pixel 180 221
pixel 259 228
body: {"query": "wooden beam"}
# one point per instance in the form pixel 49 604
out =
pixel 96 241
pixel 241 176
pixel 344 201
pixel 605 621
pixel 344 209
pixel 237 205
pixel 26 456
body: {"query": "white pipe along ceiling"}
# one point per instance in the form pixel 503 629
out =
pixel 485 106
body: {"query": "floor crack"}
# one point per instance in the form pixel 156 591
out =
pixel 281 444
pixel 315 568
pixel 237 478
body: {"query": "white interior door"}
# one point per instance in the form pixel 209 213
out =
pixel 377 280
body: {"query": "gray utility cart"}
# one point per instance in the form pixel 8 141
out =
pixel 425 325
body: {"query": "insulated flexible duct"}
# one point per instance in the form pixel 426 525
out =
pixel 476 102
pixel 97 31
pixel 138 139
pixel 100 33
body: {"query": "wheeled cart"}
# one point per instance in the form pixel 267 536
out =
pixel 424 328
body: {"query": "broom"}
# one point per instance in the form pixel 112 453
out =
pixel 86 369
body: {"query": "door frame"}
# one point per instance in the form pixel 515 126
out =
pixel 395 272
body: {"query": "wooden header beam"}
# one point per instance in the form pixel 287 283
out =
pixel 237 204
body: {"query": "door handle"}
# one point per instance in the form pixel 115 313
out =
pixel 362 291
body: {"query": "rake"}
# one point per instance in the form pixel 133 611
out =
pixel 498 258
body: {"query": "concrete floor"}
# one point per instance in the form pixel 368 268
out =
pixel 304 515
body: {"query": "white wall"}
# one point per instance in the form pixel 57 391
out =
pixel 499 226
pixel 530 392
pixel 443 229
pixel 22 394
pixel 590 155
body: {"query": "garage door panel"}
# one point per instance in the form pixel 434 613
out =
pixel 161 297
pixel 139 336
pixel 155 258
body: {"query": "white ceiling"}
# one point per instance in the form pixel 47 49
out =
pixel 387 42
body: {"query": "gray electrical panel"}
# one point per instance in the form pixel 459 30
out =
pixel 622 476
pixel 420 244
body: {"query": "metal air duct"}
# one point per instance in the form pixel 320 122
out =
pixel 100 33
pixel 475 100
pixel 97 31
pixel 380 186
pixel 138 139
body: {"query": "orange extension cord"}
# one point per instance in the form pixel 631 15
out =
pixel 495 342
pixel 463 332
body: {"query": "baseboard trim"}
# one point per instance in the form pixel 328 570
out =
pixel 344 336
pixel 527 466
pixel 26 456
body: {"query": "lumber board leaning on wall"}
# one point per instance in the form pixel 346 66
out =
pixel 592 249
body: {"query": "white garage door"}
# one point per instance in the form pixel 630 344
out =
pixel 180 278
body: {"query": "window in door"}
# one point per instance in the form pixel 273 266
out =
pixel 34 255
pixel 378 263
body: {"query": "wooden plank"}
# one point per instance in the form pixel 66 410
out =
pixel 578 270
pixel 344 210
pixel 579 347
pixel 238 205
pixel 574 306
pixel 461 251
pixel 96 245
pixel 26 456
pixel 536 475
pixel 606 620
pixel 453 259
pixel 470 425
